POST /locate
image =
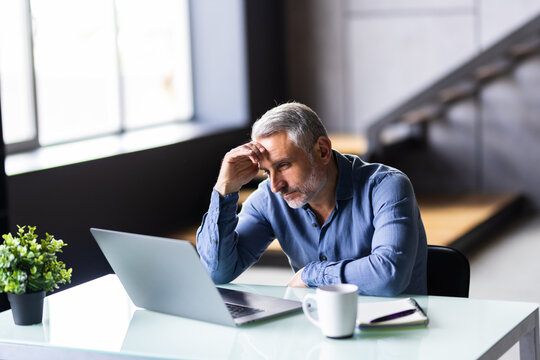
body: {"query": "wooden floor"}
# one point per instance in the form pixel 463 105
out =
pixel 349 144
pixel 448 219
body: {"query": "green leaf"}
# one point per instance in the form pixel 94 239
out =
pixel 29 265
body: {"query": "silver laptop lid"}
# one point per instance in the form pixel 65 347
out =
pixel 163 275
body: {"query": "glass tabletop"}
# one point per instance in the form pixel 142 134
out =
pixel 99 317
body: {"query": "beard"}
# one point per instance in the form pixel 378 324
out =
pixel 307 191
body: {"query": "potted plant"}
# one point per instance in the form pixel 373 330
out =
pixel 28 269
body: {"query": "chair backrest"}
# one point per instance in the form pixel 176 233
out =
pixel 448 272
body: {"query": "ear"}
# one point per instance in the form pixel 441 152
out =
pixel 323 148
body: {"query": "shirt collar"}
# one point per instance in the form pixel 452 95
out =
pixel 344 188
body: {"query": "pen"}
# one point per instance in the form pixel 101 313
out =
pixel 393 316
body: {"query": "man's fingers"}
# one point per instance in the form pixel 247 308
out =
pixel 252 150
pixel 255 151
pixel 239 166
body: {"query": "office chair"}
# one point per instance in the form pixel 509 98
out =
pixel 448 272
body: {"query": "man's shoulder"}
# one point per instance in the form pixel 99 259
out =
pixel 388 181
pixel 380 172
pixel 265 203
pixel 370 171
pixel 357 175
pixel 262 194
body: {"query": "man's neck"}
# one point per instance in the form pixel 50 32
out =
pixel 323 204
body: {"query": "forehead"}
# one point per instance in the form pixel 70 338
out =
pixel 279 146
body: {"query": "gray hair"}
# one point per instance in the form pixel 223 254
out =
pixel 301 123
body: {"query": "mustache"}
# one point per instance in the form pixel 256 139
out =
pixel 289 190
pixel 286 190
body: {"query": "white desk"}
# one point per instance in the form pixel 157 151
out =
pixel 97 320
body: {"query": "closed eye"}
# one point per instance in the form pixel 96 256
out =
pixel 283 166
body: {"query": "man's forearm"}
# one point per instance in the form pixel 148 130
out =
pixel 229 244
pixel 226 188
pixel 216 235
pixel 374 275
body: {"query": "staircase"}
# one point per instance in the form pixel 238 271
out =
pixel 461 220
pixel 412 117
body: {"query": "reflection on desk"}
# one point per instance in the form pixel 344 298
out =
pixel 154 334
pixel 98 319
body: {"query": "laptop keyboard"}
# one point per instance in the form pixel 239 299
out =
pixel 240 311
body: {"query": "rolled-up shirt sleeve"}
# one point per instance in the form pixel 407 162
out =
pixel 318 273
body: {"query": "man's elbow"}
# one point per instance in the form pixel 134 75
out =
pixel 219 278
pixel 217 275
pixel 392 281
pixel 394 286
pixel 221 274
pixel 391 290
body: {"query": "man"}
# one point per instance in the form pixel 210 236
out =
pixel 337 218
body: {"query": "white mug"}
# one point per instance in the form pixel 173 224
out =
pixel 336 308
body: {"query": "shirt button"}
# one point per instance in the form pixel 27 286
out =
pixel 314 224
pixel 323 258
pixel 214 241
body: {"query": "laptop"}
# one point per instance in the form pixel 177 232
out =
pixel 167 276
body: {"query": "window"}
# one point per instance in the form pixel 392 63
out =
pixel 74 69
pixel 16 77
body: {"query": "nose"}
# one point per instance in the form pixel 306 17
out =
pixel 276 182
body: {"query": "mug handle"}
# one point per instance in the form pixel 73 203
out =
pixel 305 307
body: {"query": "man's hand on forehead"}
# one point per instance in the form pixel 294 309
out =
pixel 256 152
pixel 239 166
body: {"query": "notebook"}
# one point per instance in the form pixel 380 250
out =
pixel 166 275
pixel 391 313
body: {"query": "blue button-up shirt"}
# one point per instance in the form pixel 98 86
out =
pixel 373 238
